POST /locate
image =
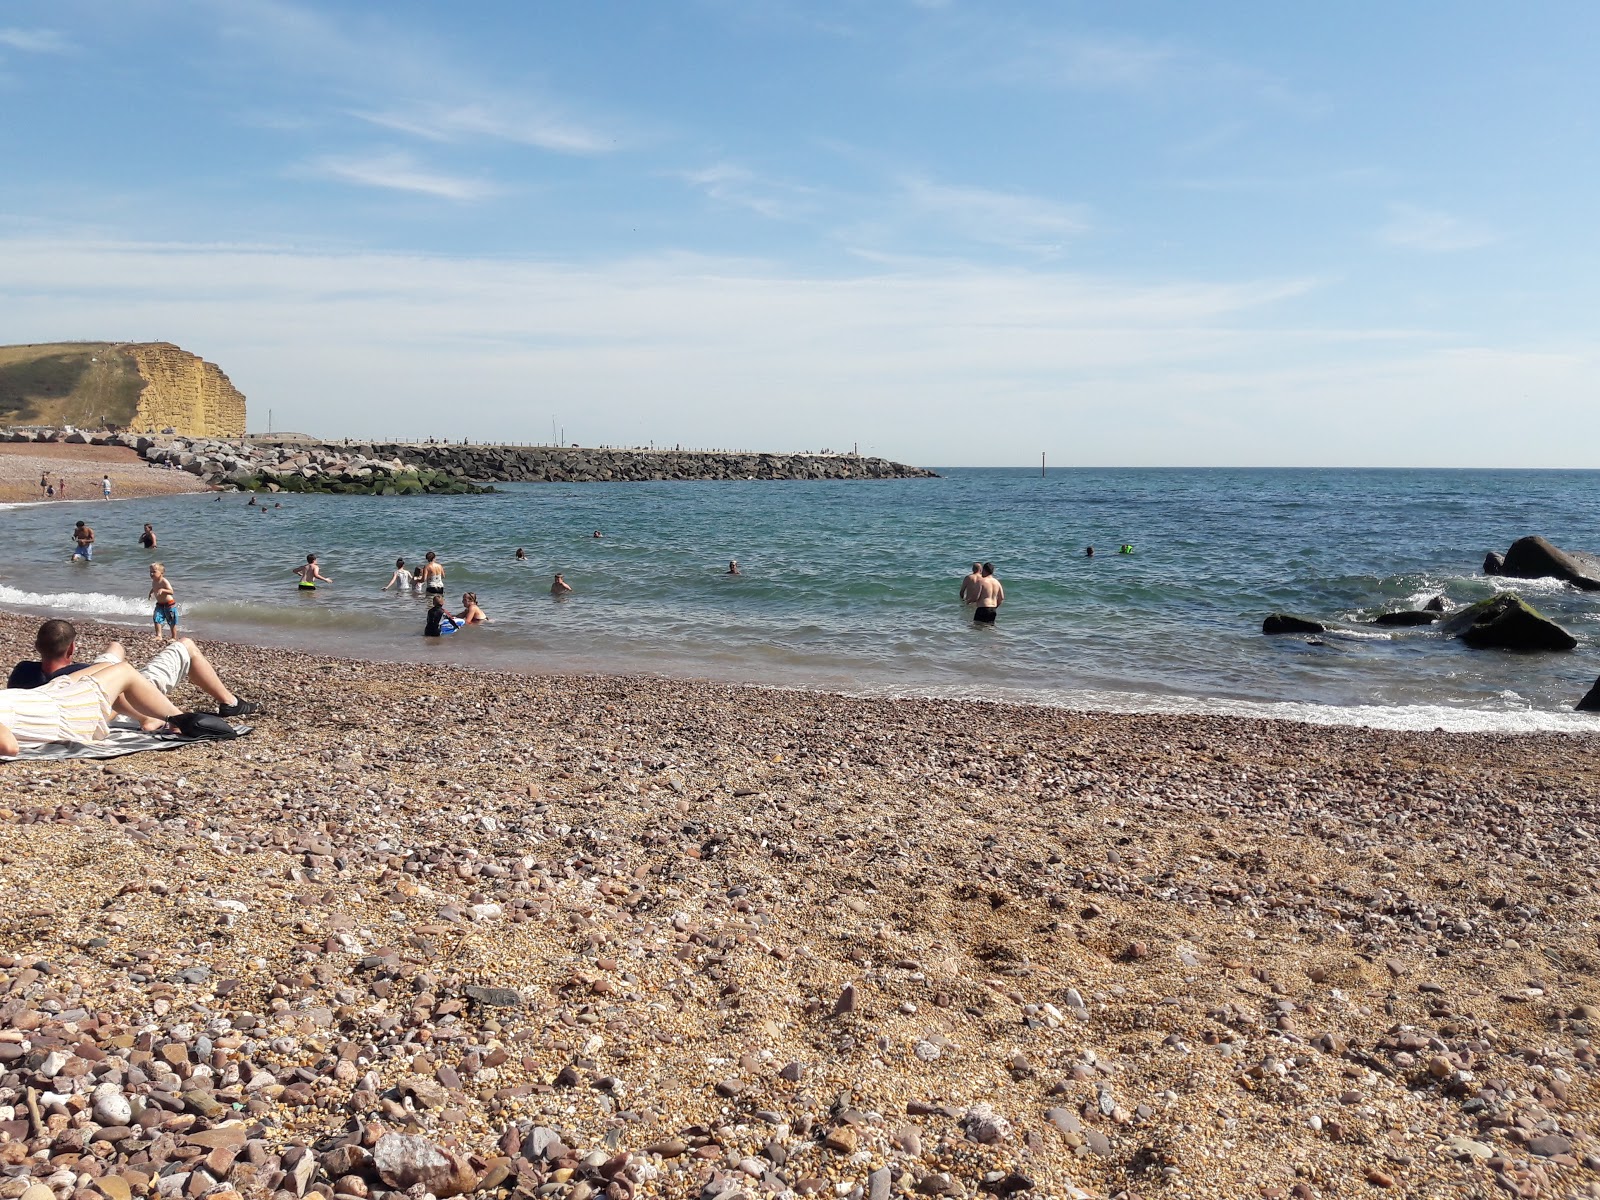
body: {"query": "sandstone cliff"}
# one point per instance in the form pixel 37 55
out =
pixel 139 386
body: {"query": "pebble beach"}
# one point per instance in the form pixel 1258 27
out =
pixel 432 931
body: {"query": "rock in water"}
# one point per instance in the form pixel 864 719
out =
pixel 1437 605
pixel 1535 558
pixel 1493 564
pixel 1591 699
pixel 1285 623
pixel 1406 618
pixel 1507 622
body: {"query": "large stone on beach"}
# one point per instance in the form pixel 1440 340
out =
pixel 1507 622
pixel 1535 558
pixel 1287 623
pixel 403 1160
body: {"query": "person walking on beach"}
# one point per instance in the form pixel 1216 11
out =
pixel 560 587
pixel 972 584
pixel 990 597
pixel 147 539
pixel 432 575
pixel 166 610
pixel 83 539
pixel 310 574
pixel 400 580
pixel 105 487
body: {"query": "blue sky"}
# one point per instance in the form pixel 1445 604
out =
pixel 951 232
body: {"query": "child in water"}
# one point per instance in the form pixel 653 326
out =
pixel 166 610
pixel 439 621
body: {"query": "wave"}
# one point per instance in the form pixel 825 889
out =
pixel 96 603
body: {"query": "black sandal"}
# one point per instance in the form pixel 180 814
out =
pixel 201 725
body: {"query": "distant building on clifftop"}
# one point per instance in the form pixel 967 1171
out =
pixel 141 386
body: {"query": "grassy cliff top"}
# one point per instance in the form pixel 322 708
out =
pixel 90 384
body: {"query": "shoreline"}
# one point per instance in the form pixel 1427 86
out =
pixel 132 478
pixel 1154 947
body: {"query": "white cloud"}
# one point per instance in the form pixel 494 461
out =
pixel 35 41
pixel 1414 228
pixel 397 172
pixel 1012 219
pixel 739 187
pixel 481 121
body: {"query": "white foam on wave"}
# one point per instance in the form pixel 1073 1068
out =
pixel 1400 717
pixel 88 603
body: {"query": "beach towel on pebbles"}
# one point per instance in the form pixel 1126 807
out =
pixel 126 738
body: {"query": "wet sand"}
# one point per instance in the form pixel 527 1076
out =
pixel 579 936
pixel 21 464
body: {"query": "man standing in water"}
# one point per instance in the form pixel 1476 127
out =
pixel 990 597
pixel 560 587
pixel 83 536
pixel 972 584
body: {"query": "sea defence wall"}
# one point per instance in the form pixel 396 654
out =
pixel 557 464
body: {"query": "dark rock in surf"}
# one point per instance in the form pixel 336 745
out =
pixel 1507 622
pixel 1437 605
pixel 1535 558
pixel 1494 564
pixel 1591 699
pixel 1406 618
pixel 1285 623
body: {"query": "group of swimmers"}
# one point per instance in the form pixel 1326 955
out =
pixel 427 579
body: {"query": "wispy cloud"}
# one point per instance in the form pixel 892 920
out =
pixel 484 121
pixel 1012 219
pixel 399 173
pixel 35 41
pixel 740 187
pixel 1434 231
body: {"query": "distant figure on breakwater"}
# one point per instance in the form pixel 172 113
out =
pixel 560 587
pixel 521 555
pixel 991 595
pixel 972 584
pixel 733 567
pixel 147 539
pixel 83 539
pixel 400 580
pixel 310 574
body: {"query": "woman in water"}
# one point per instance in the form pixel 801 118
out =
pixel 310 574
pixel 147 539
pixel 166 610
pixel 439 621
pixel 401 579
pixel 521 555
pixel 471 614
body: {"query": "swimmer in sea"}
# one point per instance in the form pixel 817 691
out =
pixel 166 610
pixel 147 539
pixel 401 579
pixel 439 621
pixel 990 597
pixel 560 587
pixel 471 614
pixel 1088 551
pixel 972 584
pixel 432 574
pixel 310 574
pixel 733 567
pixel 597 533
pixel 521 555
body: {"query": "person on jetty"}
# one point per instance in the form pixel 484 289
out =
pixel 990 597
pixel 147 539
pixel 400 580
pixel 560 587
pixel 432 575
pixel 310 574
pixel 521 555
pixel 78 707
pixel 83 539
pixel 972 584
pixel 471 614
pixel 733 567
pixel 439 620
pixel 166 610
pixel 179 661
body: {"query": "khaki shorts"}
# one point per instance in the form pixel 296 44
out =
pixel 166 670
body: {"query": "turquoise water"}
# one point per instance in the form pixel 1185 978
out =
pixel 852 586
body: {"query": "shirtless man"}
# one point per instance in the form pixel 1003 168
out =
pixel 990 597
pixel 560 587
pixel 310 574
pixel 83 536
pixel 971 585
pixel 432 575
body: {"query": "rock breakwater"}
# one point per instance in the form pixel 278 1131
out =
pixel 554 464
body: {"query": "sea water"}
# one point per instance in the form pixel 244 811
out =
pixel 852 586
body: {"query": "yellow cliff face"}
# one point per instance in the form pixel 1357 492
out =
pixel 184 392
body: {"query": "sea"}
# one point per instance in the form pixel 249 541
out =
pixel 852 586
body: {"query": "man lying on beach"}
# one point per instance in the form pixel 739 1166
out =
pixel 179 661
pixel 78 707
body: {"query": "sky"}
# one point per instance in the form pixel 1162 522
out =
pixel 949 232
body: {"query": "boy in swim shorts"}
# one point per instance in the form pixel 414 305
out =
pixel 310 574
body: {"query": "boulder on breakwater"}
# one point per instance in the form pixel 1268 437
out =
pixel 1535 558
pixel 1507 622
